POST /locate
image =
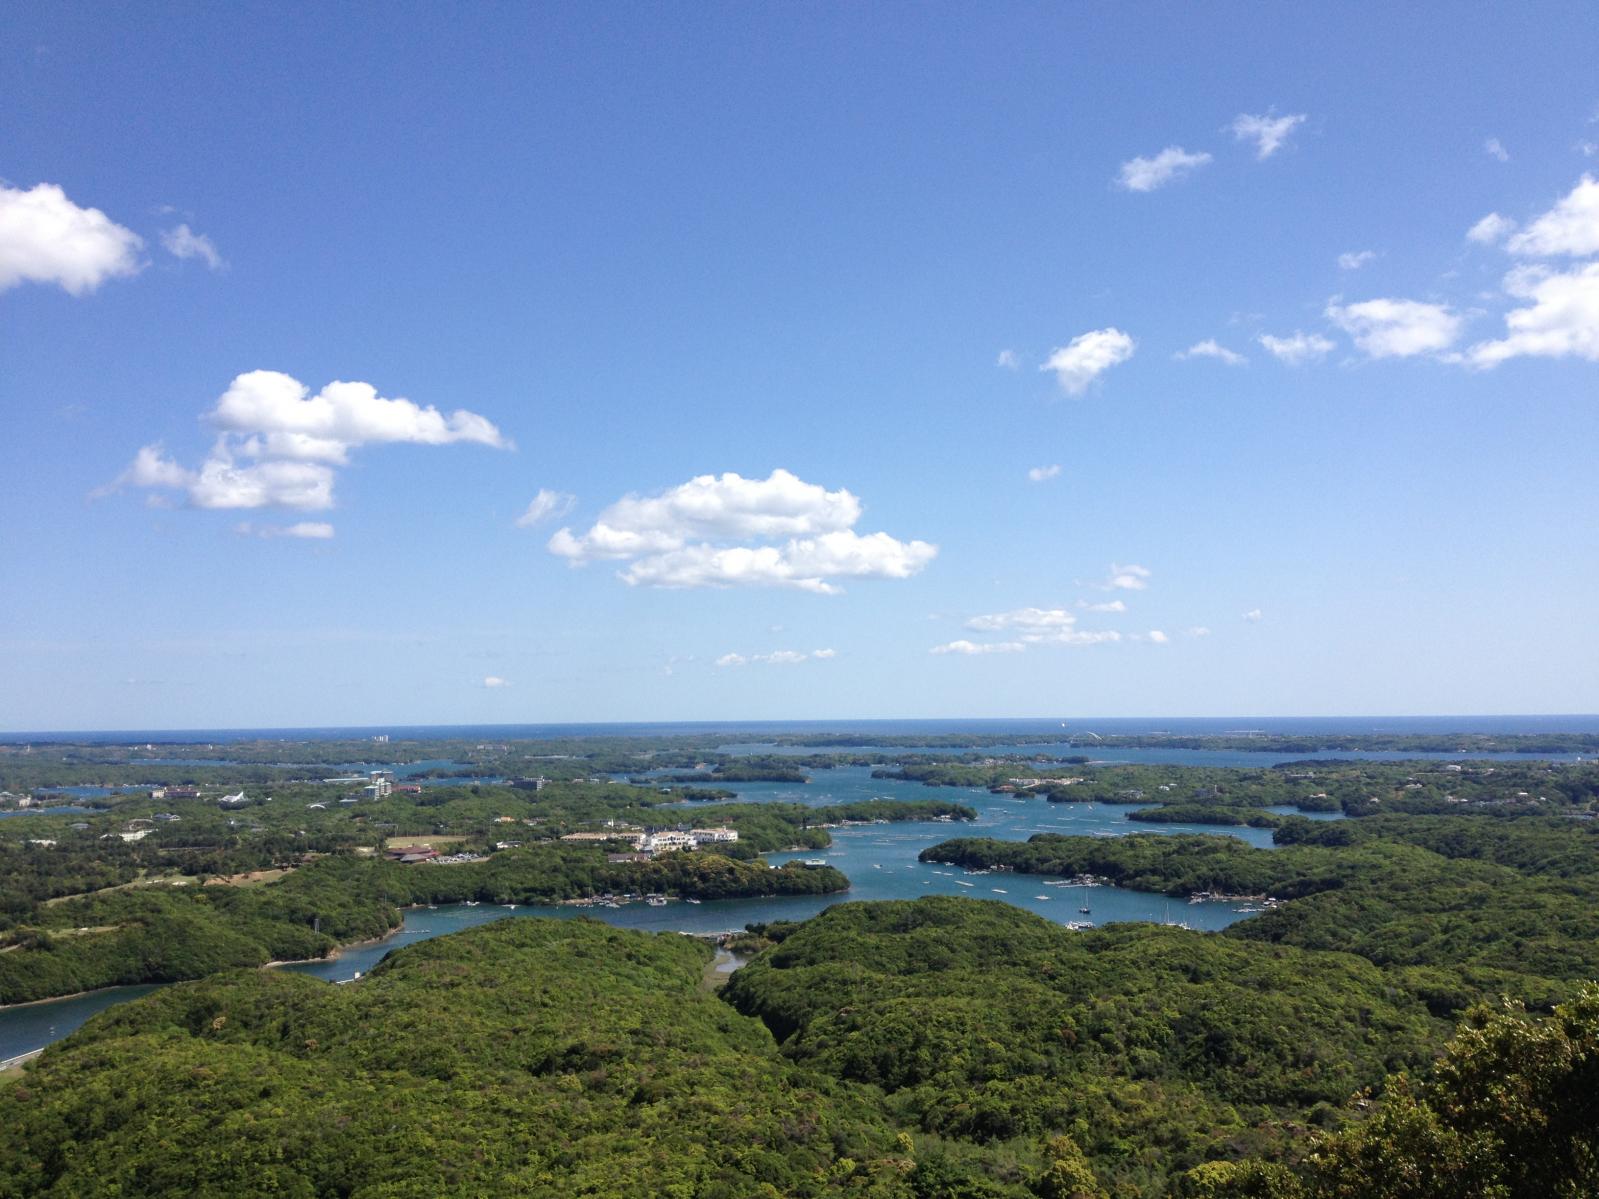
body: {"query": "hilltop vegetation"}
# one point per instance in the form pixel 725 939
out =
pixel 936 1049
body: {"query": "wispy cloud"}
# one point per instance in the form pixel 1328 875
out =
pixel 546 505
pixel 1254 616
pixel 184 243
pixel 1042 474
pixel 309 530
pixel 1171 164
pixel 494 682
pixel 1211 348
pixel 781 657
pixel 1353 260
pixel 972 647
pixel 1491 230
pixel 1007 360
pixel 1298 348
pixel 1269 133
pixel 1494 148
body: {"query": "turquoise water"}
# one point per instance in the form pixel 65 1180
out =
pixel 880 860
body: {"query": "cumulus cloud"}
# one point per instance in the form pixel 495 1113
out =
pixel 183 242
pixel 1269 133
pixel 1254 615
pixel 1088 356
pixel 1147 174
pixel 1494 148
pixel 680 538
pixel 278 417
pixel 1491 230
pixel 46 238
pixel 1211 348
pixel 1560 318
pixel 1041 474
pixel 277 445
pixel 494 681
pixel 1156 636
pixel 1298 349
pixel 1387 328
pixel 1571 227
pixel 781 657
pixel 973 647
pixel 1008 360
pixel 1353 260
pixel 546 505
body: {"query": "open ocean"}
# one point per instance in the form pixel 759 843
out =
pixel 1190 725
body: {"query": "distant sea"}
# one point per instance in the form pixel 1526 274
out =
pixel 882 730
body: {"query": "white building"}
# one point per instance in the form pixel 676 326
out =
pixel 711 836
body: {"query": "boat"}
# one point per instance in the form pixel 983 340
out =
pixel 656 901
pixel 999 891
pixel 471 903
pixel 693 901
pixel 1043 897
pixel 1085 911
pixel 958 883
pixel 509 906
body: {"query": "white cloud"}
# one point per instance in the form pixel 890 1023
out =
pixel 1156 636
pixel 281 419
pixel 221 483
pixel 1254 615
pixel 1211 348
pixel 670 539
pixel 1298 349
pixel 1492 229
pixel 46 238
pixel 183 242
pixel 1560 320
pixel 1388 328
pixel 1088 356
pixel 973 647
pixel 1127 578
pixel 1029 620
pixel 1495 149
pixel 1172 163
pixel 1008 360
pixel 1269 133
pixel 309 530
pixel 290 442
pixel 1073 637
pixel 1353 260
pixel 546 505
pixel 781 657
pixel 1041 474
pixel 1197 630
pixel 1571 227
pixel 494 681
pixel 1115 605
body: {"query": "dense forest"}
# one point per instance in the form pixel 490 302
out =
pixel 936 1049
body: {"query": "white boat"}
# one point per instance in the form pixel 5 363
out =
pixel 999 891
pixel 958 883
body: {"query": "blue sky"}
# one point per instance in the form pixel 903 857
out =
pixel 885 318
